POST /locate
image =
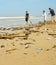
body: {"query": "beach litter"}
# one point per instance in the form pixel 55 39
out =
pixel 48 38
pixel 26 46
pixel 39 49
pixel 30 22
pixel 7 39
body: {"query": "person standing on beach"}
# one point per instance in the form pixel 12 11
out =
pixel 52 15
pixel 27 17
pixel 44 15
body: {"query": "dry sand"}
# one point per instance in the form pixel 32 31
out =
pixel 38 49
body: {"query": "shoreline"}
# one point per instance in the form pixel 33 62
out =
pixel 14 32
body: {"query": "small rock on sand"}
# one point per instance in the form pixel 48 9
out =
pixel 47 49
pixel 25 53
pixel 28 43
pixel 2 46
pixel 54 46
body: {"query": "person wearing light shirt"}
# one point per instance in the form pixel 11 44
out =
pixel 44 16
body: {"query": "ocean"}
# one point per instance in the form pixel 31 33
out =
pixel 8 23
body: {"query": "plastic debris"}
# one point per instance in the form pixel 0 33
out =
pixel 7 39
pixel 30 22
pixel 27 46
pixel 48 38
pixel 39 49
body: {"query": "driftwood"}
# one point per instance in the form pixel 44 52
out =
pixel 52 34
pixel 11 50
pixel 11 36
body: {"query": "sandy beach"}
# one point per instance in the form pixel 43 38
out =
pixel 38 49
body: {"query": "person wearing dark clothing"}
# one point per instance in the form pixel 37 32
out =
pixel 27 17
pixel 52 14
